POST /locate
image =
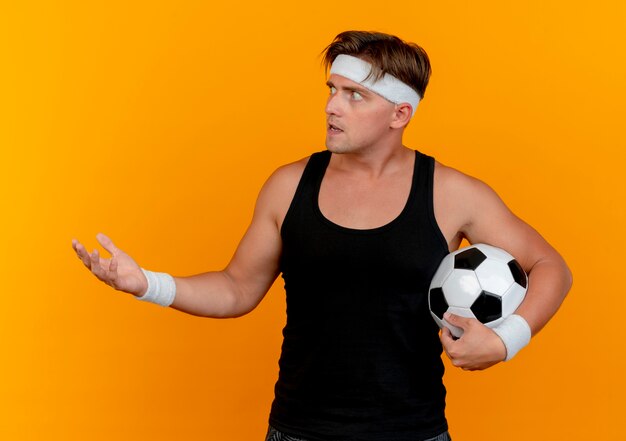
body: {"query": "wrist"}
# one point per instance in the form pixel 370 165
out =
pixel 161 288
pixel 515 333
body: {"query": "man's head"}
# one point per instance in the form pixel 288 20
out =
pixel 376 81
pixel 386 53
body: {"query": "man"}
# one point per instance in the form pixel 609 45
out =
pixel 357 232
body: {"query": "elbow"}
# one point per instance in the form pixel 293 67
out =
pixel 228 300
pixel 562 278
pixel 566 276
pixel 569 279
pixel 239 302
pixel 234 307
pixel 239 311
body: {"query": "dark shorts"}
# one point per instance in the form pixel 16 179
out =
pixel 276 435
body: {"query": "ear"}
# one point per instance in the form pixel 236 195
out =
pixel 401 116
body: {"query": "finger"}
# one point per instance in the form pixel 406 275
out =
pixel 112 274
pixel 96 268
pixel 446 338
pixel 75 246
pixel 83 255
pixel 457 320
pixel 113 265
pixel 445 331
pixel 106 242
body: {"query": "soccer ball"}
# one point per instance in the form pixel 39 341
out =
pixel 480 281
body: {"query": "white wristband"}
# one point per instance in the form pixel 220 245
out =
pixel 161 288
pixel 515 333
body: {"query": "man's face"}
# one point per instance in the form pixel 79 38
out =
pixel 357 118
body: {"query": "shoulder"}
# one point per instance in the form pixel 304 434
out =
pixel 451 179
pixel 285 179
pixel 486 218
pixel 278 191
pixel 464 197
pixel 461 187
pixel 288 173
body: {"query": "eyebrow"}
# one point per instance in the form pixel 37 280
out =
pixel 351 89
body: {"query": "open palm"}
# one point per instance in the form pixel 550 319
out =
pixel 120 271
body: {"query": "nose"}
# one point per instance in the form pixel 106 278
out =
pixel 332 104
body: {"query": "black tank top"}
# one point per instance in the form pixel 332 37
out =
pixel 361 356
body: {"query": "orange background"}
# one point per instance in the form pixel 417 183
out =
pixel 158 122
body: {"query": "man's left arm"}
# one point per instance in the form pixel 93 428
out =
pixel 488 220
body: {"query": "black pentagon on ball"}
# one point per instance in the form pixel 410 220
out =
pixel 438 304
pixel 518 273
pixel 469 259
pixel 487 307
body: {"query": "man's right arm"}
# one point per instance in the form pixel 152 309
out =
pixel 237 289
pixel 241 286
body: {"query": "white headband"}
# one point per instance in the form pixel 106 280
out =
pixel 389 87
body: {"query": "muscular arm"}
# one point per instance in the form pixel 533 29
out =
pixel 238 288
pixel 241 286
pixel 549 278
pixel 479 215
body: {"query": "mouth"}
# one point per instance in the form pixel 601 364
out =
pixel 333 128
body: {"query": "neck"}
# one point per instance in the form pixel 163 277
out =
pixel 373 162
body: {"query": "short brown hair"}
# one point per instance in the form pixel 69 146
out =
pixel 387 53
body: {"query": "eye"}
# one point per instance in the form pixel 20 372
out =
pixel 357 96
pixel 332 89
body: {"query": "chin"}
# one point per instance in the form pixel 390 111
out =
pixel 338 148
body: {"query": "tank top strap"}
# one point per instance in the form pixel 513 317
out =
pixel 423 200
pixel 313 172
pixel 301 204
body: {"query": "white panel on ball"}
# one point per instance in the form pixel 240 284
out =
pixel 512 299
pixel 463 288
pixel 494 276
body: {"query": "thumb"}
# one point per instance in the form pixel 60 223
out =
pixel 446 337
pixel 457 320
pixel 106 242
